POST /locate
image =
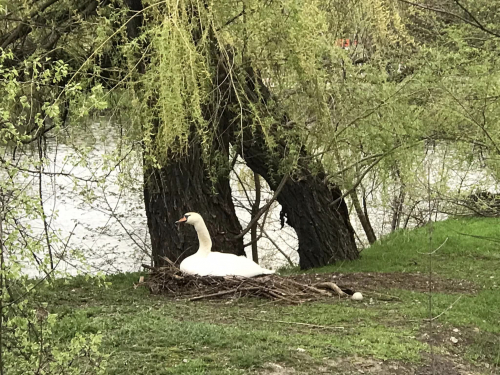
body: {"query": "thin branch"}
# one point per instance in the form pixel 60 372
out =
pixel 261 234
pixel 289 260
pixel 39 133
pixel 476 23
pixel 49 273
pixel 1 279
pixel 40 195
pixel 223 292
pixel 263 209
pixel 8 164
pixel 432 252
pixel 296 323
pixel 492 239
pixel 331 286
pixel 365 172
pixel 23 28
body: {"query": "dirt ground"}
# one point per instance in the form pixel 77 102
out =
pixel 361 281
pixel 451 363
pixel 440 365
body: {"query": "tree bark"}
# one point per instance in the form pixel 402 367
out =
pixel 397 208
pixel 363 218
pixel 324 232
pixel 183 186
pixel 255 209
pixel 398 200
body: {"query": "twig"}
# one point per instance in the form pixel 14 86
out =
pixel 261 234
pixel 1 280
pixel 40 194
pixel 263 209
pixel 432 252
pixel 439 315
pixel 476 23
pixel 368 169
pixel 382 296
pixel 296 323
pixel 311 288
pixel 8 164
pixel 492 239
pixel 289 260
pixel 169 262
pixel 333 287
pixel 223 292
pixel 47 274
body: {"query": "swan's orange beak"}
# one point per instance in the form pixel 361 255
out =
pixel 183 220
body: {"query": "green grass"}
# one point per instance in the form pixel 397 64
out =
pixel 151 335
pixel 461 256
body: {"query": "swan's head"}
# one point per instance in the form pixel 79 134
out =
pixel 192 218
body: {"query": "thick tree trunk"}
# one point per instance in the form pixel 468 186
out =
pixel 323 229
pixel 182 186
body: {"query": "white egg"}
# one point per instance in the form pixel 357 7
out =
pixel 357 296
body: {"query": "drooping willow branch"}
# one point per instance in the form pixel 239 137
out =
pixel 475 22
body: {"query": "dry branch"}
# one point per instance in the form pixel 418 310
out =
pixel 333 287
pixel 296 323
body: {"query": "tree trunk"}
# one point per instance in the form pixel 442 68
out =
pixel 397 208
pixel 398 200
pixel 323 229
pixel 363 218
pixel 324 232
pixel 255 209
pixel 182 186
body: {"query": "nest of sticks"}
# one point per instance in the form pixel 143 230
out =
pixel 171 282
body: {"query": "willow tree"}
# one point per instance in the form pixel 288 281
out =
pixel 445 94
pixel 260 79
pixel 207 89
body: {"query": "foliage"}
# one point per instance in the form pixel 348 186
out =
pixel 63 63
pixel 31 104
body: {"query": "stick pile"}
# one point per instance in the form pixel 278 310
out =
pixel 170 281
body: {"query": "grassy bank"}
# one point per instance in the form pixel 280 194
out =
pixel 147 334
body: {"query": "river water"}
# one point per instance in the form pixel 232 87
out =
pixel 106 224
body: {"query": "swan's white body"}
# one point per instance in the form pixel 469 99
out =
pixel 207 263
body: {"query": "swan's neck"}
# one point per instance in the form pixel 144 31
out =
pixel 204 238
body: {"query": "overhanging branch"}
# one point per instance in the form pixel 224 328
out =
pixel 475 22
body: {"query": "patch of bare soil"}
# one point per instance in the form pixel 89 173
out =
pixel 448 365
pixel 441 365
pixel 361 281
pixel 456 341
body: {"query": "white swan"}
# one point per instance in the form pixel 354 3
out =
pixel 207 263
